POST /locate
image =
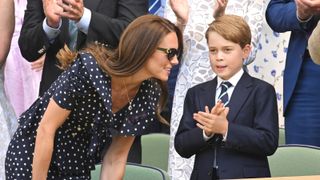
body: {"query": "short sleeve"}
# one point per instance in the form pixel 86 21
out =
pixel 70 86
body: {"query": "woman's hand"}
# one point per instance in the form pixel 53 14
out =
pixel 181 10
pixel 219 8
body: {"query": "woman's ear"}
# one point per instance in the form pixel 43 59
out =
pixel 246 51
pixel 314 44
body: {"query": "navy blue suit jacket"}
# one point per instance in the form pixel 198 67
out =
pixel 281 17
pixel 252 131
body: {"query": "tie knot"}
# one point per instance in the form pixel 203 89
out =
pixel 225 85
pixel 223 94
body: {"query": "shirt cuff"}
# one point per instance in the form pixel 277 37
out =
pixel 84 22
pixel 205 137
pixel 51 33
pixel 224 137
pixel 303 21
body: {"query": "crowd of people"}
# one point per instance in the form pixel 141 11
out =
pixel 82 81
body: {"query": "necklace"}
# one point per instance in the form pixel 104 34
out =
pixel 129 101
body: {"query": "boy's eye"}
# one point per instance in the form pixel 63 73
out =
pixel 213 51
pixel 227 50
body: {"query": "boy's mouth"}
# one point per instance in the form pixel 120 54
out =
pixel 221 67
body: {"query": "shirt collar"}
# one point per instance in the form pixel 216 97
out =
pixel 233 80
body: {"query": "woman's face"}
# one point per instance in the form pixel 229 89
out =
pixel 164 58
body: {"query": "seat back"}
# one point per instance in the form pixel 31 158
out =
pixel 143 172
pixel 155 150
pixel 95 174
pixel 136 172
pixel 295 160
pixel 282 138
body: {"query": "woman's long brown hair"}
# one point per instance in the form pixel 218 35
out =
pixel 137 43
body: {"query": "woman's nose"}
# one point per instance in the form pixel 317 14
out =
pixel 174 60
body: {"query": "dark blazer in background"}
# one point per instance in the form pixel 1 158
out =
pixel 298 41
pixel 109 18
pixel 252 131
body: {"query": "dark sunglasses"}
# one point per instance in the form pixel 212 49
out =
pixel 171 52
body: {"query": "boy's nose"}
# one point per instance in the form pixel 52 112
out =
pixel 219 56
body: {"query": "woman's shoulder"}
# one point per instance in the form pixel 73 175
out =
pixel 87 61
pixel 85 68
pixel 152 85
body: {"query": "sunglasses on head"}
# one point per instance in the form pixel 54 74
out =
pixel 171 52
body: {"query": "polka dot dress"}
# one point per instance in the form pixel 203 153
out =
pixel 85 90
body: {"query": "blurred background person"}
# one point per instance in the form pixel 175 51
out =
pixel 48 25
pixel 7 117
pixel 301 94
pixel 157 7
pixel 314 44
pixel 22 78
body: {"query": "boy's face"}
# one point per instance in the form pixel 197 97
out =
pixel 226 57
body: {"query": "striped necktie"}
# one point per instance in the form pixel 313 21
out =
pixel 154 6
pixel 224 95
pixel 73 33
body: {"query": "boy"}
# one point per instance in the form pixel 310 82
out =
pixel 235 136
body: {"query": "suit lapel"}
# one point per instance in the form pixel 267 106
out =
pixel 91 4
pixel 208 95
pixel 64 35
pixel 239 96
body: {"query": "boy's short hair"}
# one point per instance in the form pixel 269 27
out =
pixel 232 28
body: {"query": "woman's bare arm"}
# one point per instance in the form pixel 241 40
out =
pixel 114 162
pixel 52 119
pixel 6 27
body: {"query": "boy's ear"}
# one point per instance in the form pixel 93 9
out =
pixel 246 51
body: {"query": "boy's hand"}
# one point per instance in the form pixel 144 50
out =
pixel 214 122
pixel 217 109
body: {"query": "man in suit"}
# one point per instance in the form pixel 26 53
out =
pixel 45 28
pixel 47 24
pixel 301 100
pixel 229 123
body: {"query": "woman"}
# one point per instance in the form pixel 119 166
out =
pixel 103 95
pixel 7 118
pixel 25 75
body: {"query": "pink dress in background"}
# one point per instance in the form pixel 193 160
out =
pixel 21 83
